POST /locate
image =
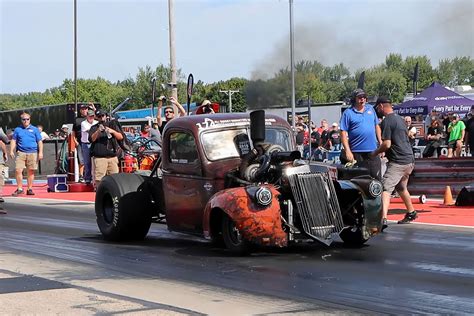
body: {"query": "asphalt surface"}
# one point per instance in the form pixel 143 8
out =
pixel 57 246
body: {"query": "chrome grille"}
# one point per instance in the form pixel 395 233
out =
pixel 316 203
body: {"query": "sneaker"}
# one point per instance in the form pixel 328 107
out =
pixel 1 200
pixel 384 224
pixel 30 192
pixel 409 217
pixel 18 192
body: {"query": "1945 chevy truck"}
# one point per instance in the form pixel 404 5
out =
pixel 215 181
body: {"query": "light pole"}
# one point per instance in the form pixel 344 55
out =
pixel 229 93
pixel 292 66
pixel 75 56
pixel 174 89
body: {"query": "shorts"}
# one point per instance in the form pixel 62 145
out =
pixel 452 144
pixel 104 166
pixel 26 160
pixel 396 177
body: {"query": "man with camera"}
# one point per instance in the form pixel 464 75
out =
pixel 207 107
pixel 169 112
pixel 104 139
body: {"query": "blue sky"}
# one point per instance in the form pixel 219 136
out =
pixel 217 40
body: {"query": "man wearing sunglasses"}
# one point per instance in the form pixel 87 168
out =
pixel 28 146
pixel 361 134
pixel 168 111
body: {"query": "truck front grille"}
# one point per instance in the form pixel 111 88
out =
pixel 316 203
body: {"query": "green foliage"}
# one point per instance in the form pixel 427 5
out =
pixel 313 80
pixel 426 72
pixel 391 84
pixel 394 62
pixel 464 70
pixel 239 103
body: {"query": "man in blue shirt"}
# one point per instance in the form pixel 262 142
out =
pixel 360 134
pixel 29 146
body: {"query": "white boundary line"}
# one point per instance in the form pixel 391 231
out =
pixel 433 224
pixel 12 199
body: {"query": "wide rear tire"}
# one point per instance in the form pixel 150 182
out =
pixel 123 212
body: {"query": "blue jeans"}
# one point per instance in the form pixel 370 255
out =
pixel 86 154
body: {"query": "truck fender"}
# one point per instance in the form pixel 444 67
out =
pixel 258 224
pixel 372 204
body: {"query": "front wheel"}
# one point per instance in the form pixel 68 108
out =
pixel 353 236
pixel 123 211
pixel 233 240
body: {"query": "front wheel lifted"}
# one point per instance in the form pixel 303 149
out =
pixel 232 238
pixel 353 236
pixel 123 211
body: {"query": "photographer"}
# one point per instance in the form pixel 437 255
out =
pixel 207 107
pixel 104 139
pixel 169 112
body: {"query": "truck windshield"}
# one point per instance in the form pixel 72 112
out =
pixel 220 144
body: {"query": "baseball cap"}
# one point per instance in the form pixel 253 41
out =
pixel 206 102
pixel 100 112
pixel 335 124
pixel 90 112
pixel 358 93
pixel 455 115
pixel 64 126
pixel 382 99
pixel 84 106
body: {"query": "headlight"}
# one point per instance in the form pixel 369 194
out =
pixel 263 196
pixel 375 188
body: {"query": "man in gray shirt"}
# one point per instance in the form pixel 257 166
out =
pixel 397 148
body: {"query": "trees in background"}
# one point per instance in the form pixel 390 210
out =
pixel 315 81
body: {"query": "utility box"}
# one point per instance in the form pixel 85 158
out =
pixel 58 183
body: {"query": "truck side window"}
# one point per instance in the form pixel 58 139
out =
pixel 182 148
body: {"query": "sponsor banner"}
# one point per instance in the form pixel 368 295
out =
pixel 415 110
pixel 411 111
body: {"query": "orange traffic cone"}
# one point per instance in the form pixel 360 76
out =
pixel 448 196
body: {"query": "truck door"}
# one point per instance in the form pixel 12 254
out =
pixel 183 183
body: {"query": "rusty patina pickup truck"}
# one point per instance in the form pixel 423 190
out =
pixel 237 180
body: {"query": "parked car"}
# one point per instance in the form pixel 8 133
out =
pixel 237 180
